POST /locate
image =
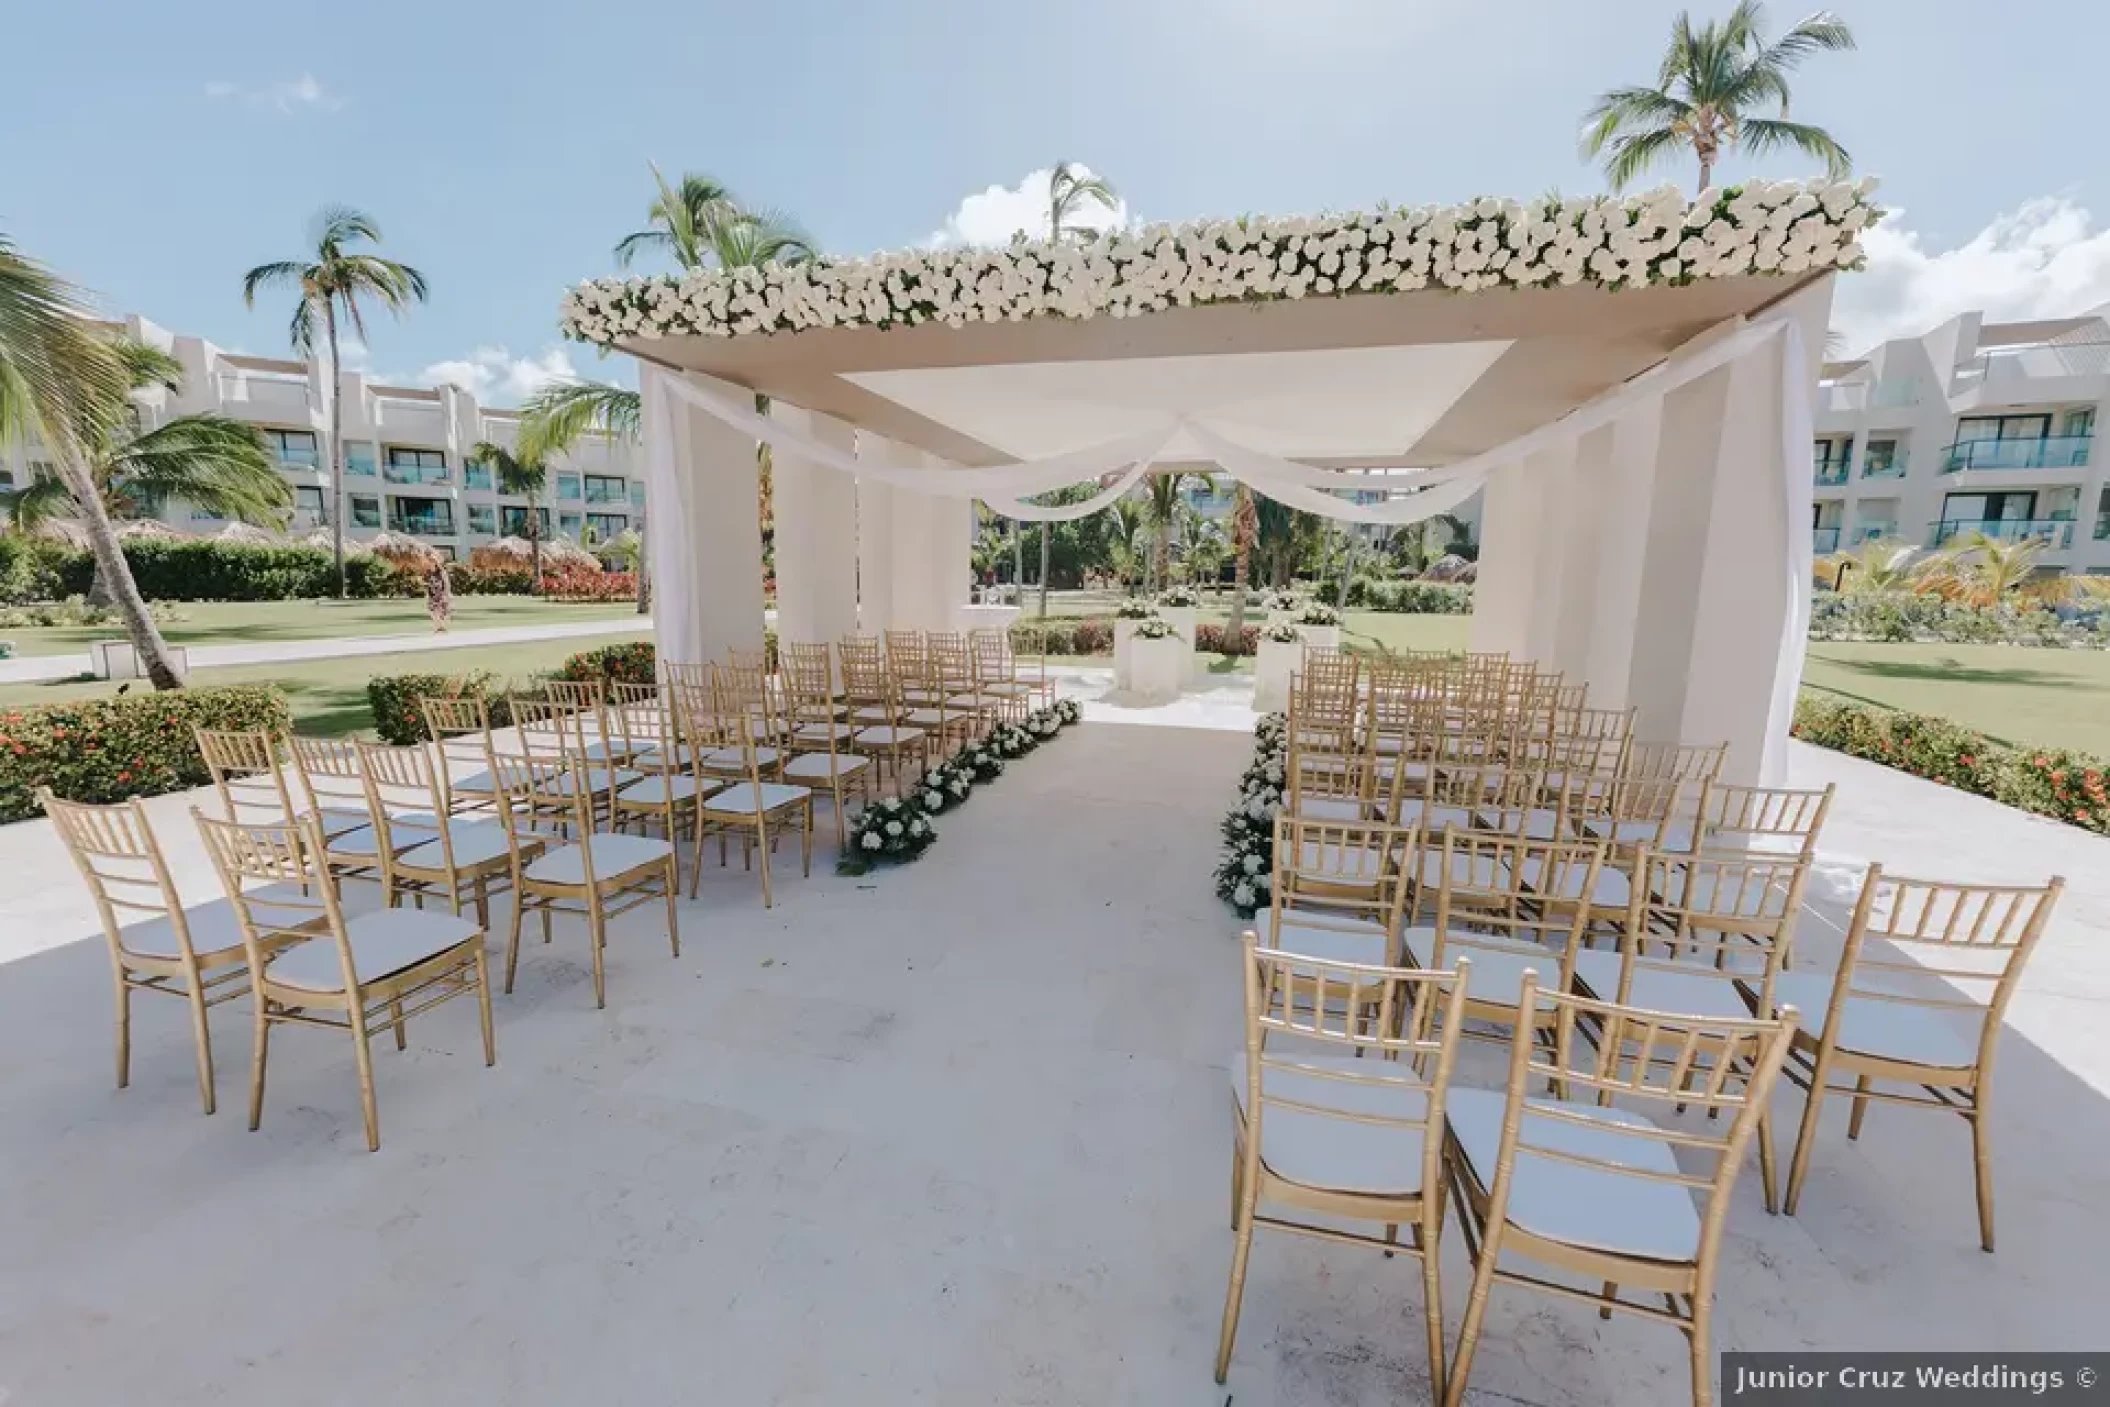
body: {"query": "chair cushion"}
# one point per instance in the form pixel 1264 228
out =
pixel 477 783
pixel 382 944
pixel 820 732
pixel 473 842
pixel 1482 872
pixel 1537 823
pixel 406 833
pixel 927 717
pixel 965 701
pixel 1329 808
pixel 613 857
pixel 659 759
pixel 593 779
pixel 1592 1207
pixel 1341 940
pixel 872 714
pixel 735 757
pixel 214 928
pixel 1612 891
pixel 1314 1150
pixel 819 766
pixel 741 800
pixel 1891 1030
pixel 658 790
pixel 1497 975
pixel 1677 835
pixel 1743 896
pixel 1007 688
pixel 1693 989
pixel 888 737
pixel 1413 811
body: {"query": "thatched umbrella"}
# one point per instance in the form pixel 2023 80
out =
pixel 404 552
pixel 562 549
pixel 246 535
pixel 502 555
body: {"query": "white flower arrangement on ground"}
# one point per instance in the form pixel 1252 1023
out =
pixel 1282 600
pixel 1281 632
pixel 1135 608
pixel 1066 711
pixel 1154 628
pixel 1012 740
pixel 1245 871
pixel 889 831
pixel 1784 228
pixel 1179 598
pixel 1318 613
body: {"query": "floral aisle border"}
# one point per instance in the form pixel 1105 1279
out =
pixel 1244 874
pixel 895 830
pixel 1777 228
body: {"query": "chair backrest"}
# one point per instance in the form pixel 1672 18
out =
pixel 1956 949
pixel 951 665
pixel 1684 762
pixel 808 669
pixel 641 721
pixel 329 773
pixel 1493 892
pixel 684 671
pixel 1771 820
pixel 1650 811
pixel 538 726
pixel 742 693
pixel 994 661
pixel 128 877
pixel 531 791
pixel 1697 1066
pixel 1406 1022
pixel 1327 669
pixel 401 783
pixel 588 695
pixel 905 651
pixel 249 773
pixel 460 726
pixel 1332 874
pixel 279 887
pixel 865 678
pixel 1723 915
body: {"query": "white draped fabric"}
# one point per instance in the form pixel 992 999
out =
pixel 1419 495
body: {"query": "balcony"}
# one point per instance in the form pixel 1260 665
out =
pixel 421 517
pixel 606 492
pixel 1832 472
pixel 309 460
pixel 1870 532
pixel 2051 452
pixel 1895 469
pixel 2055 533
pixel 1824 541
pixel 2102 525
pixel 416 474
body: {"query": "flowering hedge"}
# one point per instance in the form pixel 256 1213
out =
pixel 1060 636
pixel 576 581
pixel 2060 783
pixel 397 702
pixel 1420 598
pixel 1894 616
pixel 1785 228
pixel 1213 639
pixel 122 745
pixel 1246 870
pixel 632 663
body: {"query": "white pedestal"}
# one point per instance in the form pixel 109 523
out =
pixel 1157 668
pixel 967 618
pixel 1278 660
pixel 1326 637
pixel 116 659
pixel 1124 633
pixel 1183 619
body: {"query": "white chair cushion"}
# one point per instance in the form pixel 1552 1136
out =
pixel 1742 896
pixel 819 766
pixel 591 779
pixel 1691 989
pixel 660 759
pixel 1337 864
pixel 1592 1207
pixel 657 791
pixel 1891 1030
pixel 925 717
pixel 473 842
pixel 613 857
pixel 406 833
pixel 1612 890
pixel 1433 819
pixel 213 926
pixel 1498 964
pixel 1482 872
pixel 741 800
pixel 1346 1155
pixel 477 783
pixel 382 944
pixel 1339 940
pixel 820 732
pixel 1534 824
pixel 1676 835
pixel 1007 689
pixel 888 737
pixel 735 757
pixel 1329 808
pixel 964 701
pixel 872 714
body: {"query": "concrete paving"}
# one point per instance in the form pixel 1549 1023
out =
pixel 953 1133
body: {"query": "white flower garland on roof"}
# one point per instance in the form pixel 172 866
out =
pixel 1785 228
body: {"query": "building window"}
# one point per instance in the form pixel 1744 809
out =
pixel 568 524
pixel 310 501
pixel 515 520
pixel 477 476
pixel 416 466
pixel 607 526
pixel 199 515
pixel 482 517
pixel 7 478
pixel 294 449
pixel 603 488
pixel 359 461
pixel 568 487
pixel 1831 459
pixel 1882 460
pixel 424 517
pixel 366 510
pixel 637 493
pixel 2079 422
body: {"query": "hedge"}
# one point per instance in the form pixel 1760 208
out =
pixel 123 745
pixel 231 571
pixel 397 702
pixel 1422 598
pixel 634 663
pixel 2060 783
pixel 1896 616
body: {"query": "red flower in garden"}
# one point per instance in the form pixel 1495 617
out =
pixel 1968 760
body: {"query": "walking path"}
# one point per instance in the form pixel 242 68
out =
pixel 38 668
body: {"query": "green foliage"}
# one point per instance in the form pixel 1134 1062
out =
pixel 1897 616
pixel 397 702
pixel 196 570
pixel 2060 783
pixel 1059 635
pixel 32 569
pixel 74 612
pixel 106 749
pixel 632 663
pixel 1421 598
pixel 1210 639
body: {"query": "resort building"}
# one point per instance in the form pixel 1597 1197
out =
pixel 1973 427
pixel 406 452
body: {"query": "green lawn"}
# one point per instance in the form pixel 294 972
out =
pixel 231 622
pixel 329 696
pixel 2059 698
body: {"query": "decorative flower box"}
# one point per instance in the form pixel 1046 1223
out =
pixel 1124 632
pixel 1183 619
pixel 1278 660
pixel 1157 668
pixel 1326 637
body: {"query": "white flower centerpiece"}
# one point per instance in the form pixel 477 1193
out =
pixel 1126 617
pixel 1656 237
pixel 1157 661
pixel 1319 624
pixel 1281 604
pixel 1181 606
pixel 1281 647
pixel 889 831
pixel 1244 874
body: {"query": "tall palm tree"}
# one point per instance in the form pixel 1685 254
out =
pixel 1161 509
pixel 337 282
pixel 1983 569
pixel 1125 522
pixel 60 382
pixel 1713 82
pixel 1276 526
pixel 558 417
pixel 528 476
pixel 1070 190
pixel 1245 531
pixel 208 461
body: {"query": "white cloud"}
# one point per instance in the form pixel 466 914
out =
pixel 496 377
pixel 304 93
pixel 2043 260
pixel 994 215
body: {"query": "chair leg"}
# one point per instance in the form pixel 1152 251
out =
pixel 483 902
pixel 807 834
pixel 1806 1134
pixel 545 924
pixel 202 1029
pixel 1768 1174
pixel 673 919
pixel 1853 1123
pixel 1428 1239
pixel 259 1049
pixel 762 845
pixel 597 939
pixel 1475 1314
pixel 1982 1165
pixel 395 1019
pixel 1234 1297
pixel 363 1055
pixel 520 901
pixel 1702 1360
pixel 483 1003
pixel 124 1032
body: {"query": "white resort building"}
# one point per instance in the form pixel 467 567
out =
pixel 1973 427
pixel 406 452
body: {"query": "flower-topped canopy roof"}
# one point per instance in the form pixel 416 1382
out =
pixel 1573 296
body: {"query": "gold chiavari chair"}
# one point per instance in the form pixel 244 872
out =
pixel 821 758
pixel 549 731
pixel 997 665
pixel 1338 891
pixel 597 875
pixel 1766 820
pixel 691 672
pixel 157 943
pixel 587 701
pixel 249 774
pixel 757 811
pixel 1684 762
pixel 310 965
pixel 1590 744
pixel 460 857
pixel 908 665
pixel 814 710
pixel 883 731
pixel 671 786
pixel 1603 1194
pixel 1343 1119
pixel 743 709
pixel 1923 984
pixel 958 686
pixel 335 787
pixel 460 726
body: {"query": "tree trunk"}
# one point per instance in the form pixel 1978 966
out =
pixel 1162 564
pixel 1043 569
pixel 534 537
pixel 644 586
pixel 329 318
pixel 1243 523
pixel 1706 170
pixel 116 575
pixel 1018 559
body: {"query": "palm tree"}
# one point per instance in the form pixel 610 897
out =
pixel 1070 189
pixel 528 476
pixel 1712 83
pixel 1161 509
pixel 1410 544
pixel 61 382
pixel 558 417
pixel 1879 565
pixel 333 284
pixel 208 461
pixel 1125 526
pixel 1245 530
pixel 1983 569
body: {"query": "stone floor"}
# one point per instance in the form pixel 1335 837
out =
pixel 954 1133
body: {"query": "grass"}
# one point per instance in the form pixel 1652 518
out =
pixel 329 696
pixel 2055 698
pixel 255 622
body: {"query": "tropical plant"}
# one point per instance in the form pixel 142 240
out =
pixel 1125 520
pixel 1713 82
pixel 1877 565
pixel 61 382
pixel 211 462
pixel 335 284
pixel 558 416
pixel 1070 190
pixel 1275 528
pixel 1409 545
pixel 526 476
pixel 1161 510
pixel 1245 531
pixel 1981 570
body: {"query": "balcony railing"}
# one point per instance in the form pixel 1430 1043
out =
pixel 2102 525
pixel 1831 471
pixel 606 493
pixel 2054 532
pixel 1869 532
pixel 1824 540
pixel 416 473
pixel 1895 469
pixel 2050 452
pixel 421 526
pixel 295 458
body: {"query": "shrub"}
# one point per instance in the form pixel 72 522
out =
pixel 1209 640
pixel 1425 598
pixel 32 570
pixel 507 579
pixel 106 749
pixel 399 715
pixel 1060 636
pixel 231 571
pixel 1893 616
pixel 584 581
pixel 634 663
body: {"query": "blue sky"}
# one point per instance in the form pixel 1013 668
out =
pixel 162 149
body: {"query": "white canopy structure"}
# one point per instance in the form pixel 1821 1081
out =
pixel 1629 381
